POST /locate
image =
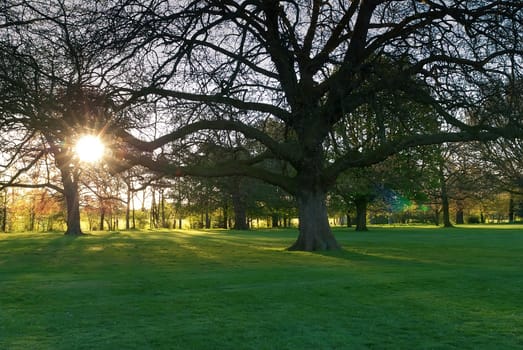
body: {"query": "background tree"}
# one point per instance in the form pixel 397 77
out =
pixel 50 75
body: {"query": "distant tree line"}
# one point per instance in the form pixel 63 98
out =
pixel 440 185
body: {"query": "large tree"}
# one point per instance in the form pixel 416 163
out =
pixel 310 66
pixel 51 73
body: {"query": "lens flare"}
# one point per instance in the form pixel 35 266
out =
pixel 89 148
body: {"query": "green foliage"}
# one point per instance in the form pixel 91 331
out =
pixel 389 288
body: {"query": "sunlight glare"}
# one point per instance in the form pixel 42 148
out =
pixel 89 148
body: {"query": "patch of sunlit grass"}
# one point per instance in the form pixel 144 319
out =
pixel 388 288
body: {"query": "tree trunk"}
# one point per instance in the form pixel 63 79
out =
pixel 4 212
pixel 154 215
pixel 102 218
pixel 225 221
pixel 511 210
pixel 239 207
pixel 349 220
pixel 361 213
pixel 446 212
pixel 207 219
pixel 128 210
pixel 134 218
pixel 315 232
pixel 275 220
pixel 445 207
pixel 460 217
pixel 72 202
pixel 165 223
pixel 32 216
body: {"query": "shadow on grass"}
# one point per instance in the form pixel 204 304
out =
pixel 381 257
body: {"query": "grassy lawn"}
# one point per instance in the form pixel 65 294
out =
pixel 390 288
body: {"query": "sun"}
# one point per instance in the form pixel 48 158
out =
pixel 89 148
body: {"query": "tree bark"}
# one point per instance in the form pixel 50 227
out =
pixel 460 216
pixel 445 207
pixel 239 207
pixel 315 232
pixel 511 210
pixel 361 213
pixel 4 212
pixel 72 201
pixel 128 210
pixel 275 220
pixel 225 221
pixel 207 218
pixel 102 217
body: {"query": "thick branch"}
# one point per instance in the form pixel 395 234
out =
pixel 357 159
pixel 214 99
pixel 284 151
pixel 222 169
pixel 22 185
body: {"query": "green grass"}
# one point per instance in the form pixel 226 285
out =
pixel 390 288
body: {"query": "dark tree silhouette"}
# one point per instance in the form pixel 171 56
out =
pixel 309 67
pixel 50 95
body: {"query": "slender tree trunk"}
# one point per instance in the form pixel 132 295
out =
pixel 225 210
pixel 72 201
pixel 315 232
pixel 165 224
pixel 155 215
pixel 511 210
pixel 102 218
pixel 32 216
pixel 361 213
pixel 275 220
pixel 128 210
pixel 445 207
pixel 349 221
pixel 207 219
pixel 133 216
pixel 4 213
